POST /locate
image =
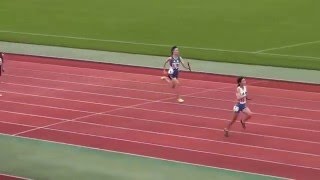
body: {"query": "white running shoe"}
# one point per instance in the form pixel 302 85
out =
pixel 180 100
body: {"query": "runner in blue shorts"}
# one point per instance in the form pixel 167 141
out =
pixel 241 105
pixel 174 62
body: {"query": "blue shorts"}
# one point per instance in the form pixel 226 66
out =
pixel 174 74
pixel 239 107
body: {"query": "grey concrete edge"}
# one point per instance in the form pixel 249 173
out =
pixel 264 72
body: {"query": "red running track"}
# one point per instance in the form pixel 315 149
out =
pixel 9 177
pixel 129 109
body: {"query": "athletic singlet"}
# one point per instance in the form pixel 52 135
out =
pixel 243 91
pixel 174 63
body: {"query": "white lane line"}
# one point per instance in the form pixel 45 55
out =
pixel 161 84
pixel 63 99
pixel 89 84
pixel 17 124
pixel 103 104
pixel 33 115
pixel 256 113
pixel 157 92
pixel 76 91
pixel 288 46
pixel 45 106
pixel 172 135
pixel 137 155
pixel 16 177
pixel 184 104
pixel 259 104
pixel 308 58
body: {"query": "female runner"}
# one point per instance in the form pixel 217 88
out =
pixel 173 73
pixel 242 97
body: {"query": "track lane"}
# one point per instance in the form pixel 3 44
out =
pixel 88 89
pixel 207 113
pixel 120 82
pixel 27 119
pixel 58 103
pixel 257 109
pixel 265 99
pixel 11 129
pixel 80 95
pixel 40 111
pixel 209 132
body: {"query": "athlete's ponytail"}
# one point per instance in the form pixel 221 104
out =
pixel 172 49
pixel 239 80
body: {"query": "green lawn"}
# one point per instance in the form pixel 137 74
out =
pixel 229 30
pixel 43 160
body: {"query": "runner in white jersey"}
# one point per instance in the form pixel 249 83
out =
pixel 241 105
pixel 174 62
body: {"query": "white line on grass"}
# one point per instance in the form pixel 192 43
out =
pixel 288 46
pixel 308 58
